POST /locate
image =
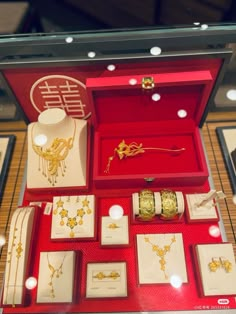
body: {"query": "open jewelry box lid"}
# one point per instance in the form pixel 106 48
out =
pixel 99 77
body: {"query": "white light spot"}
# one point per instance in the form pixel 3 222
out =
pixel 116 212
pixel 204 26
pixel 176 281
pixel 214 231
pixel 69 40
pixel 31 283
pixel 231 94
pixel 132 81
pixel 196 23
pixel 91 54
pixel 182 113
pixel 40 140
pixel 2 240
pixel 156 97
pixel 155 51
pixel 111 67
pixel 234 199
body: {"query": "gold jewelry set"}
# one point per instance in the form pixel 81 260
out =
pixel 55 273
pixel 147 206
pixel 17 231
pixel 161 252
pixel 220 263
pixel 112 275
pixel 52 159
pixel 72 222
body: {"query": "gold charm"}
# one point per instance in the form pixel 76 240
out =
pixel 72 222
pixel 129 150
pixel 52 159
pixel 148 83
pixel 161 253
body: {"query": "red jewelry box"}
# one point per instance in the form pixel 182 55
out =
pixel 123 111
pixel 119 111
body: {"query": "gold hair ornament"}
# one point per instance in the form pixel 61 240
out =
pixel 52 159
pixel 130 150
pixel 161 253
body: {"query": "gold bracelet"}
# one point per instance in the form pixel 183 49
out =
pixel 169 204
pixel 146 205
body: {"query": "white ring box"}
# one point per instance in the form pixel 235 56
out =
pixel 108 286
pixel 219 282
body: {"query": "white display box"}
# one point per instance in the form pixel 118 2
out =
pixel 114 232
pixel 160 257
pixel 56 277
pixel 216 269
pixel 73 217
pixel 196 213
pixel 106 280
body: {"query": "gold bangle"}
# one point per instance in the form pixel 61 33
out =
pixel 146 205
pixel 169 204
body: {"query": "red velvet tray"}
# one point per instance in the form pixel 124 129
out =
pixel 140 298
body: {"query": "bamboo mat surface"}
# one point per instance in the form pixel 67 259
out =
pixel 219 174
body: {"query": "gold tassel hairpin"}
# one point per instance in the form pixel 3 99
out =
pixel 129 150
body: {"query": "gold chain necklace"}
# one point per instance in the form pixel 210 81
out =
pixel 55 273
pixel 9 260
pixel 18 251
pixel 52 159
pixel 161 253
pixel 71 222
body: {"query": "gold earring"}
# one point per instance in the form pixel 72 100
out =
pixel 214 265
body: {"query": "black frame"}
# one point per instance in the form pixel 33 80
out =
pixel 6 161
pixel 226 154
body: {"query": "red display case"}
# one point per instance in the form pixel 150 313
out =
pixel 118 106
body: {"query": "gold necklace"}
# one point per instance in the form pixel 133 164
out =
pixel 130 150
pixel 52 159
pixel 71 222
pixel 19 251
pixel 161 253
pixel 9 260
pixel 55 273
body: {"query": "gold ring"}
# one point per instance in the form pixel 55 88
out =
pixel 169 204
pixel 146 205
